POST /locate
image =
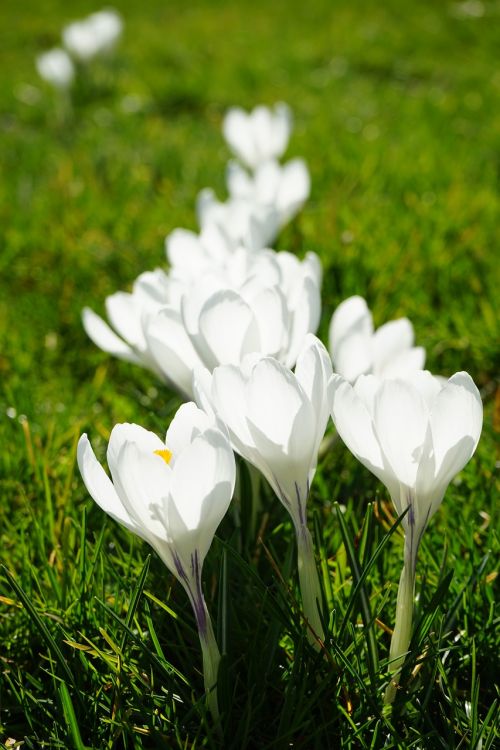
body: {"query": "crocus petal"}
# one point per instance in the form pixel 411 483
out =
pixel 237 132
pixel 100 487
pixel 390 339
pixel 172 350
pixel 294 188
pixel 351 327
pixel 229 399
pixel 354 425
pixel 125 318
pixel 456 421
pixel 314 372
pixel 228 329
pixel 145 479
pixel 188 423
pixel 400 419
pixel 404 363
pixel 306 317
pixel 106 339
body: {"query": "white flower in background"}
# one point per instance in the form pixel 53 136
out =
pixel 56 67
pixel 356 349
pixel 415 435
pixel 260 135
pixel 94 35
pixel 127 313
pixel 276 420
pixel 173 494
pixel 243 221
pixel 282 188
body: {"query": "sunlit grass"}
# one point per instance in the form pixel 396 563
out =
pixel 397 116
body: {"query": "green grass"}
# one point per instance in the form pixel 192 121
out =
pixel 397 115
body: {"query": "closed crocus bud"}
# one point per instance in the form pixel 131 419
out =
pixel 56 67
pixel 260 135
pixel 284 188
pixel 276 420
pixel 128 313
pixel 92 36
pixel 173 494
pixel 415 435
pixel 356 349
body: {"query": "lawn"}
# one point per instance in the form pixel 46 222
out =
pixel 396 113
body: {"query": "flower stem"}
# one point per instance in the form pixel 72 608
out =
pixel 310 588
pixel 211 660
pixel 209 649
pixel 401 635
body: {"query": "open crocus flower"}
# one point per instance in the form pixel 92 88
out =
pixel 415 435
pixel 244 221
pixel 225 321
pixel 56 67
pixel 282 188
pixel 173 494
pixel 258 136
pixel 128 313
pixel 356 349
pixel 276 420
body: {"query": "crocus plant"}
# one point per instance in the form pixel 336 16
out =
pixel 357 349
pixel 260 135
pixel 276 420
pixel 173 494
pixel 415 435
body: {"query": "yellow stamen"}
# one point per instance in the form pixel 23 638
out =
pixel 165 454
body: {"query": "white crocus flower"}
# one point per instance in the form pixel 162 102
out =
pixel 356 349
pixel 244 221
pixel 56 67
pixel 263 311
pixel 282 188
pixel 415 435
pixel 93 36
pixel 260 135
pixel 276 420
pixel 128 313
pixel 173 494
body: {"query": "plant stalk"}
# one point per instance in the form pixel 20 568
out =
pixel 310 588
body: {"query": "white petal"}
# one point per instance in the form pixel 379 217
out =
pixel 125 318
pixel 294 188
pixel 187 424
pixel 132 433
pixel 314 372
pixel 145 480
pixel 172 350
pixel 404 363
pixel 230 403
pixel 350 332
pixel 239 183
pixel 305 318
pixel 400 419
pixel 106 339
pixel 100 486
pixel 389 340
pixel 228 329
pixel 354 425
pixel 456 422
pixel 238 134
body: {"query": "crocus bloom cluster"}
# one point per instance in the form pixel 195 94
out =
pixel 82 40
pixel 173 494
pixel 415 435
pixel 276 420
pixel 357 349
pixel 263 194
